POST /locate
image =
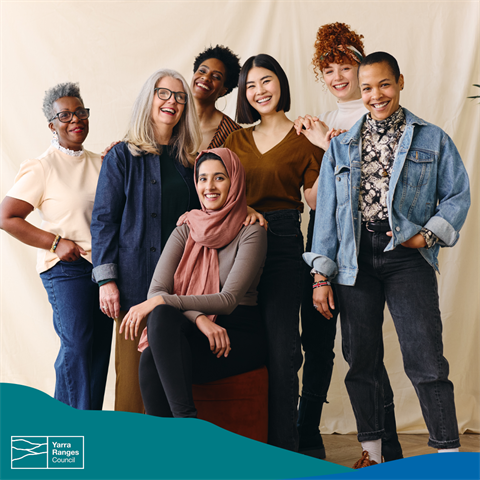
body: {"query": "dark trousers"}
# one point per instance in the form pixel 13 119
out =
pixel 279 298
pixel 85 334
pixel 318 337
pixel 408 284
pixel 318 341
pixel 179 355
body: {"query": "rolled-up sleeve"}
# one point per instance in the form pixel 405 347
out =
pixel 453 191
pixel 107 216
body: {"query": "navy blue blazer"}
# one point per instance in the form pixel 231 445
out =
pixel 126 223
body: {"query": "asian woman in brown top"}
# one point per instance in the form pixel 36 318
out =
pixel 215 75
pixel 278 163
pixel 204 324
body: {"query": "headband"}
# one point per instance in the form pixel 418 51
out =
pixel 353 53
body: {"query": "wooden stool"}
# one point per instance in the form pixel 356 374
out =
pixel 238 404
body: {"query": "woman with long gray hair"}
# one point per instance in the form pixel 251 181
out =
pixel 61 184
pixel 145 184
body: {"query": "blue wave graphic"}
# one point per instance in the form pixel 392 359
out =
pixel 124 446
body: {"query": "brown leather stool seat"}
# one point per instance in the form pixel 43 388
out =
pixel 238 404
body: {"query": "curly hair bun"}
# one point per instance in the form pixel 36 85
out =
pixel 333 45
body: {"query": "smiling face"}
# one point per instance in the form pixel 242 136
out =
pixel 380 91
pixel 263 90
pixel 71 135
pixel 208 81
pixel 213 184
pixel 165 114
pixel 341 80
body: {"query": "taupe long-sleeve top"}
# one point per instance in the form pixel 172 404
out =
pixel 240 266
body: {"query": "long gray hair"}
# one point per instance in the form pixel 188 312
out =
pixel 186 136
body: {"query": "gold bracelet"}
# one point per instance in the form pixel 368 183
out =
pixel 55 243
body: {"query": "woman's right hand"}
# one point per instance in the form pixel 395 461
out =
pixel 110 300
pixel 318 133
pixel 69 251
pixel 323 301
pixel 217 336
pixel 304 123
pixel 253 217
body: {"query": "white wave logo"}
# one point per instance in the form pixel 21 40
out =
pixel 57 452
pixel 23 450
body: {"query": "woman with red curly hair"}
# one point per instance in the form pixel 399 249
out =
pixel 338 53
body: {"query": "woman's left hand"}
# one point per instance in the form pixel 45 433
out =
pixel 182 219
pixel 104 153
pixel 131 321
pixel 217 336
pixel 253 217
pixel 417 241
pixel 334 133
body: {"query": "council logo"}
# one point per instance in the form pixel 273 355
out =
pixel 62 452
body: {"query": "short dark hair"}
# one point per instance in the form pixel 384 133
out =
pixel 382 57
pixel 228 58
pixel 245 112
pixel 207 156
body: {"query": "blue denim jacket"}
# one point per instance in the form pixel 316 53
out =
pixel 428 188
pixel 126 224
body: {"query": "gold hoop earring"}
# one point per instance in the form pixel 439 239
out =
pixel 224 107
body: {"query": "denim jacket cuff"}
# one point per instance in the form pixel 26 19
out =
pixel 109 271
pixel 447 235
pixel 321 264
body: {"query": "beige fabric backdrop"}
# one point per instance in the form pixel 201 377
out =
pixel 112 47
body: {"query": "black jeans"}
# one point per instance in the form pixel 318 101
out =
pixel 408 284
pixel 179 355
pixel 279 298
pixel 318 341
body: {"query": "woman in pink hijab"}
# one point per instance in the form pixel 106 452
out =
pixel 204 322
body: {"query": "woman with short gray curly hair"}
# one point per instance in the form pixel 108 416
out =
pixel 145 184
pixel 61 184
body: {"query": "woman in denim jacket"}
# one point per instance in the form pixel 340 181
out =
pixel 145 184
pixel 393 190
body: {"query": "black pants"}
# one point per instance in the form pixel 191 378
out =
pixel 279 298
pixel 179 355
pixel 318 339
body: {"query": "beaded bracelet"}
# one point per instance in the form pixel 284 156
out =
pixel 55 243
pixel 322 283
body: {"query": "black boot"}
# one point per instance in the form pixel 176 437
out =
pixel 391 448
pixel 311 443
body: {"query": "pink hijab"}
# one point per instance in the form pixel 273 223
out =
pixel 198 273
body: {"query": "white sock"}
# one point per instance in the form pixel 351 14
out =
pixel 374 449
pixel 448 450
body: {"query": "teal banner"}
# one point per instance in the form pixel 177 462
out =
pixel 42 438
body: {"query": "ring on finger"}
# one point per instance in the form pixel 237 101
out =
pixel 315 306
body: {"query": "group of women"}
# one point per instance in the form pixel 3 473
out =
pixel 198 288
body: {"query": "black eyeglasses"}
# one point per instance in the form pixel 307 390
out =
pixel 65 117
pixel 165 94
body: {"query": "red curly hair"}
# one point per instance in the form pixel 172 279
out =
pixel 331 46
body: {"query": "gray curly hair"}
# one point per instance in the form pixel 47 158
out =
pixel 67 89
